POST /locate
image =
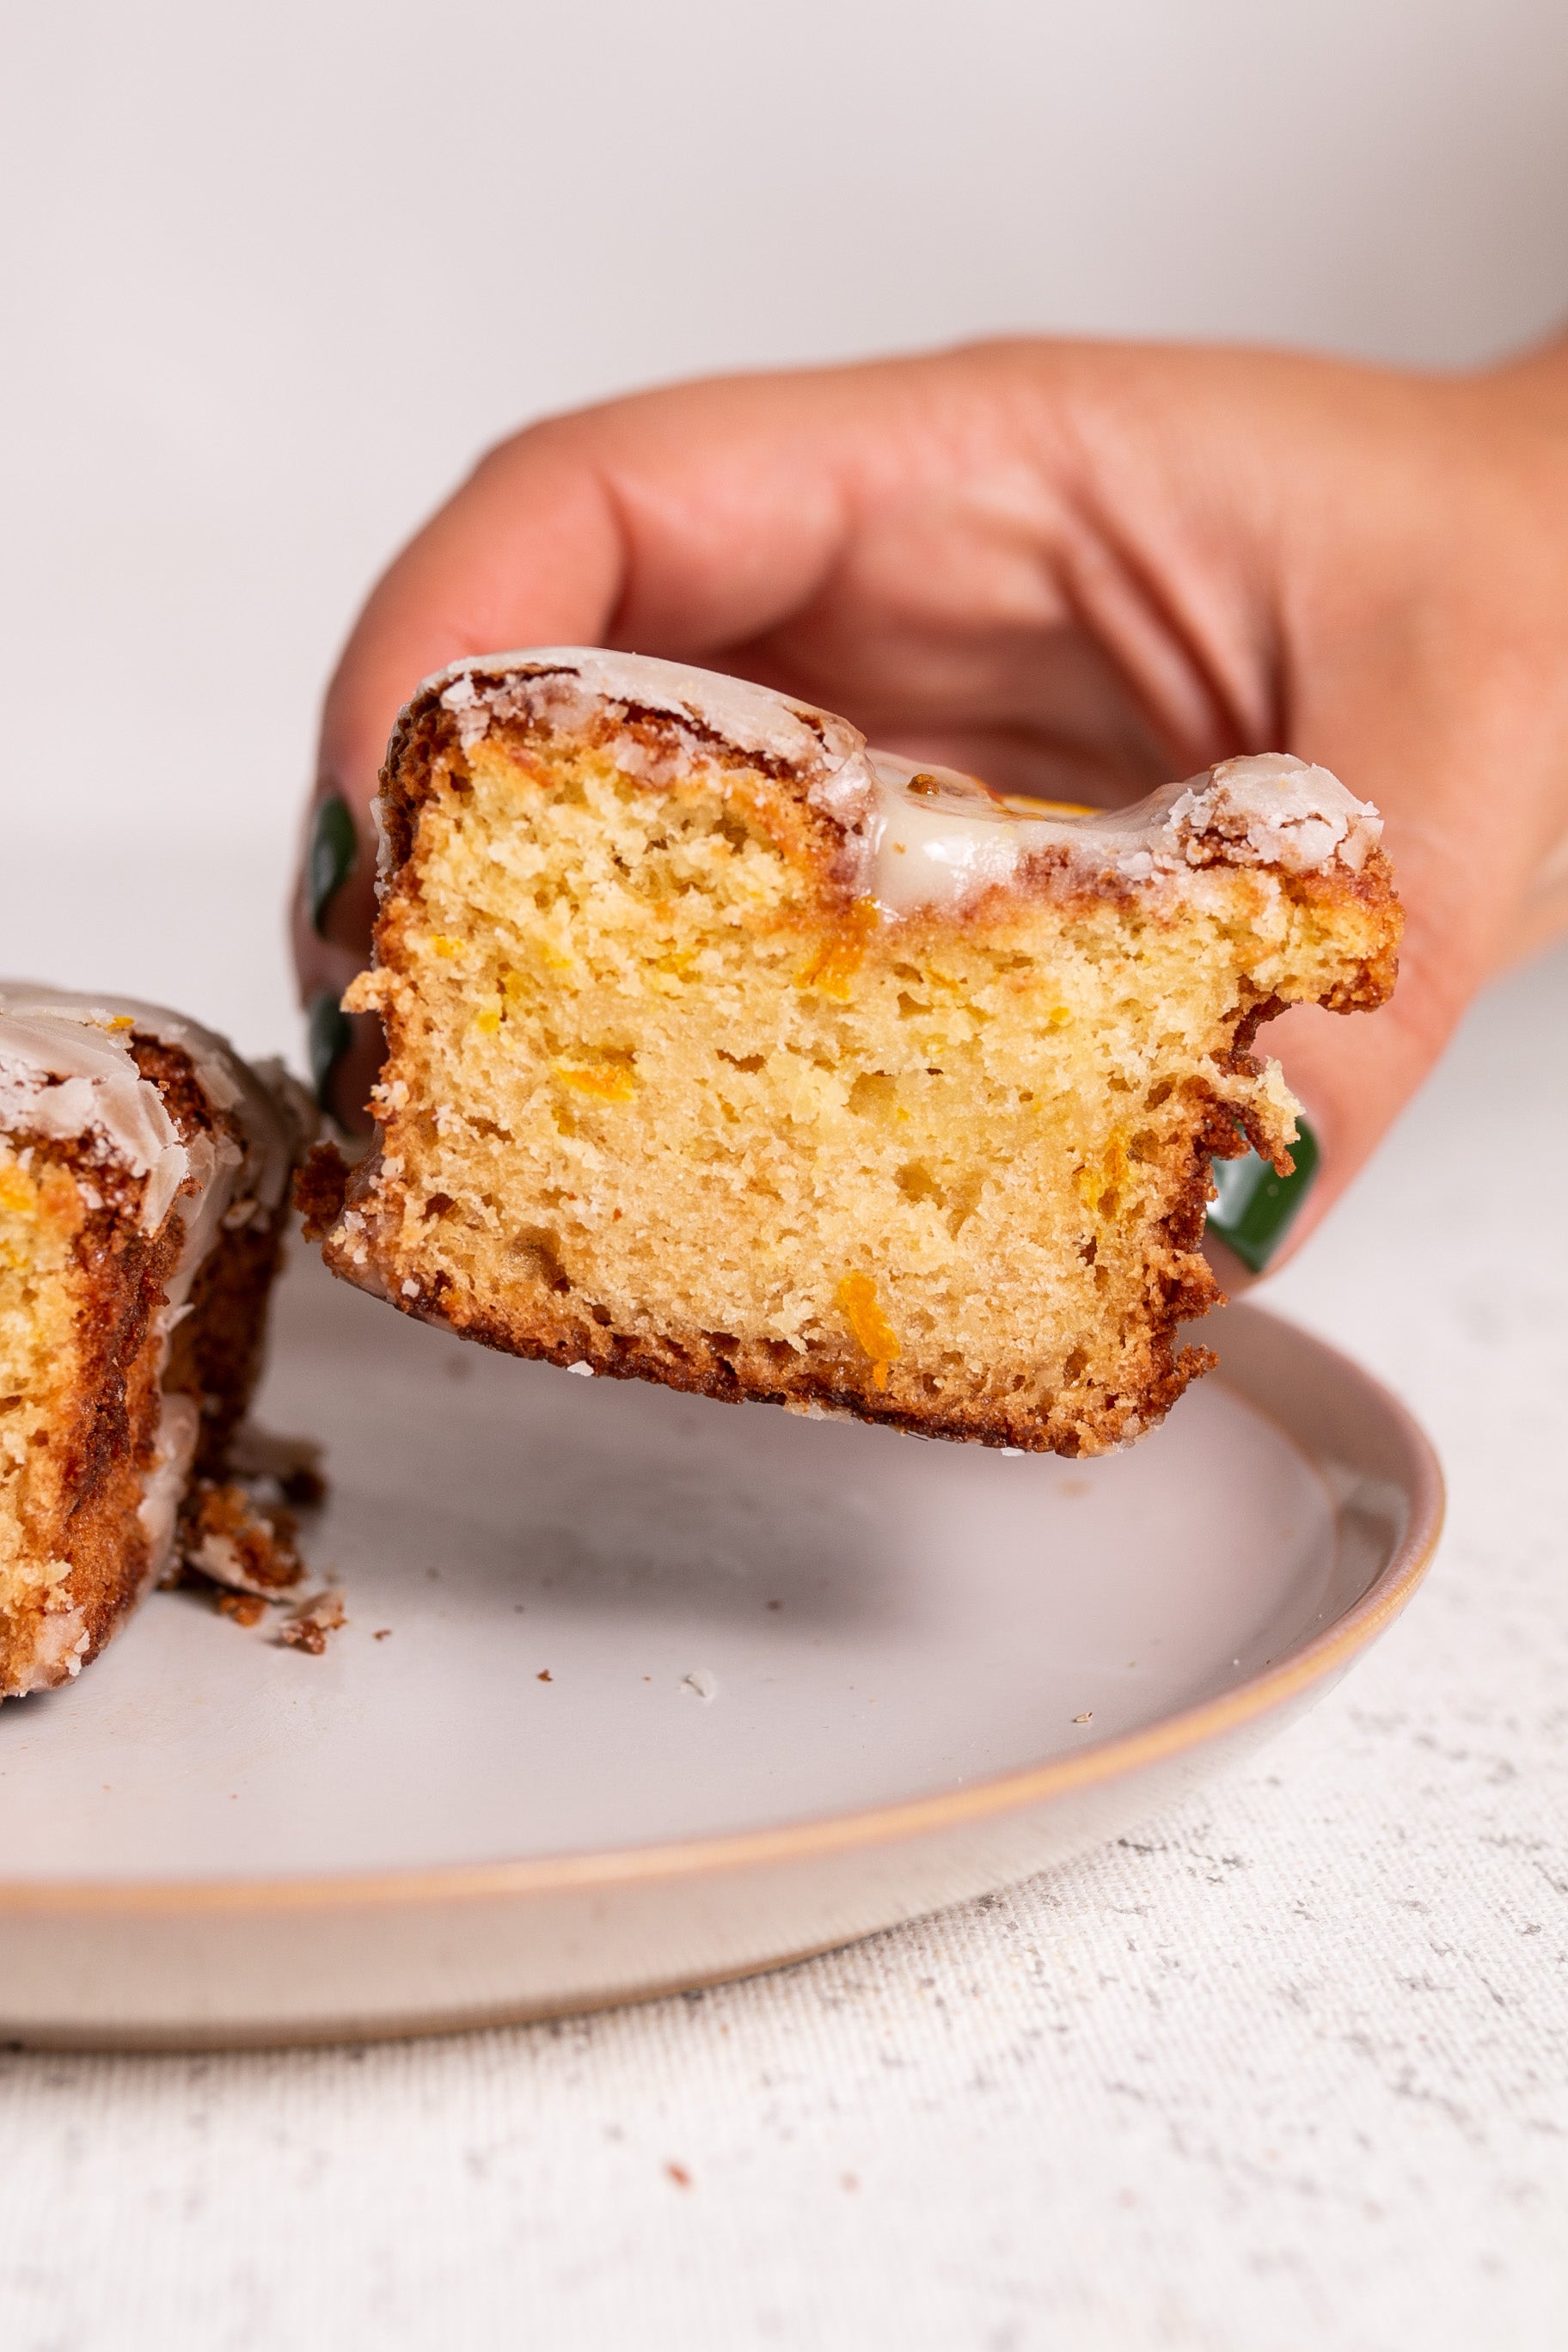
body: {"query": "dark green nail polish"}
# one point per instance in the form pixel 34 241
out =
pixel 334 849
pixel 330 1036
pixel 1255 1209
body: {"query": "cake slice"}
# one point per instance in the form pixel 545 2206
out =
pixel 143 1188
pixel 726 1052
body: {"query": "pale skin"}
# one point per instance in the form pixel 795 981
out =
pixel 1078 570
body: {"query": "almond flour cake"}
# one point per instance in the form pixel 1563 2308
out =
pixel 143 1188
pixel 725 1051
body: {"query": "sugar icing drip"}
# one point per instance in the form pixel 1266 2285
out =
pixel 935 838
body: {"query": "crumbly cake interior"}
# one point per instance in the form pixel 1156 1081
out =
pixel 79 1409
pixel 38 1221
pixel 660 1101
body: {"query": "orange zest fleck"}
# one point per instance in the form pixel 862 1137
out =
pixel 605 1082
pixel 18 1193
pixel 1100 1180
pixel 831 966
pixel 868 1326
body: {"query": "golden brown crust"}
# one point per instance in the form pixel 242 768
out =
pixel 217 1353
pixel 100 1446
pixel 731 1371
pixel 217 1350
pixel 1371 891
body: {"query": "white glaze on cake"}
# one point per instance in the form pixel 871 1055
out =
pixel 67 1070
pixel 919 838
pixel 67 1073
pixel 937 839
pixel 69 1078
pixel 570 682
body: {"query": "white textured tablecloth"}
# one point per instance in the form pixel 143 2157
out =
pixel 1288 2070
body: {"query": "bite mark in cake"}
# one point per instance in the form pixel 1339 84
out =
pixel 728 1052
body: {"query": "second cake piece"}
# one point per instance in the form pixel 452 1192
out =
pixel 144 1190
pixel 728 1053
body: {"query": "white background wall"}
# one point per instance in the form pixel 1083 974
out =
pixel 274 274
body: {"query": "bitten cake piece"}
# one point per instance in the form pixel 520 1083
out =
pixel 726 1052
pixel 143 1187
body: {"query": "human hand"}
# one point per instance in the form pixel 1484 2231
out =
pixel 1075 570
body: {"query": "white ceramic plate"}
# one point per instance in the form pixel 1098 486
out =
pixel 638 1691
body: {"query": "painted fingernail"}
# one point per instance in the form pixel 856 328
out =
pixel 330 1037
pixel 1256 1208
pixel 332 856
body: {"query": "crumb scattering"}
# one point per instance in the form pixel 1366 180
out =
pixel 308 1626
pixel 245 1608
pixel 231 1540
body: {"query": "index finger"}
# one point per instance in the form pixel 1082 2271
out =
pixel 676 521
